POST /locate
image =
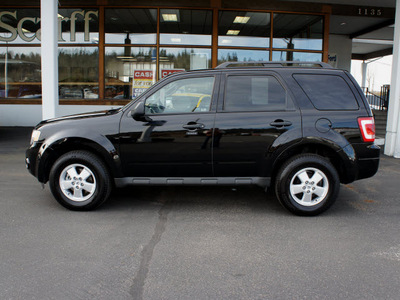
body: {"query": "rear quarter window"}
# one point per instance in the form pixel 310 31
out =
pixel 327 92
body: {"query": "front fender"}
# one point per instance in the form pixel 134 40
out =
pixel 68 140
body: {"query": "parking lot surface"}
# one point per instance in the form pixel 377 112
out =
pixel 195 242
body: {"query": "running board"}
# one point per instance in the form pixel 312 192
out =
pixel 260 181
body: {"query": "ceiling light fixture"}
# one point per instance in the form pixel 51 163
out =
pixel 232 32
pixel 241 19
pixel 170 17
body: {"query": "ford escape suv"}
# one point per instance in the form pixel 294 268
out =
pixel 299 128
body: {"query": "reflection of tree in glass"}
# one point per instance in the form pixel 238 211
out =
pixel 78 65
pixel 21 67
pixel 182 59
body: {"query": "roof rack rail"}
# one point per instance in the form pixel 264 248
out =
pixel 275 64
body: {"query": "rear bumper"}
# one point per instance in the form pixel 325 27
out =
pixel 367 167
pixel 367 160
pixel 362 161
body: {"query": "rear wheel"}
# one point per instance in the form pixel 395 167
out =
pixel 307 184
pixel 79 180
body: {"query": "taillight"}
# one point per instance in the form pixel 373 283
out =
pixel 367 128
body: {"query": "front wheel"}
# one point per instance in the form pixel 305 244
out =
pixel 79 180
pixel 307 184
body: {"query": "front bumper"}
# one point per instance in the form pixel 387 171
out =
pixel 31 159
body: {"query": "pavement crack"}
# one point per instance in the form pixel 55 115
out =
pixel 147 253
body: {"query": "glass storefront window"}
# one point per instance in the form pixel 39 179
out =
pixel 78 72
pixel 129 71
pixel 183 59
pixel 225 55
pixel 185 27
pixel 295 56
pixel 20 72
pixel 244 29
pixel 20 26
pixel 78 26
pixel 131 42
pixel 292 31
pixel 130 26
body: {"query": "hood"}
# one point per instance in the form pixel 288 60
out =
pixel 79 116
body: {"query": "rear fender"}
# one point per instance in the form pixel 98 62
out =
pixel 343 159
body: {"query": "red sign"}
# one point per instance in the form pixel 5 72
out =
pixel 143 74
pixel 167 72
pixel 142 80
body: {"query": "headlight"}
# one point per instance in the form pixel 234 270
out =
pixel 35 136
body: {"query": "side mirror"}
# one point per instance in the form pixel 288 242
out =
pixel 138 113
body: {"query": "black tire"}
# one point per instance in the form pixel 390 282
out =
pixel 307 184
pixel 87 190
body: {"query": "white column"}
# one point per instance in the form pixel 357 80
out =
pixel 392 141
pixel 49 52
pixel 364 66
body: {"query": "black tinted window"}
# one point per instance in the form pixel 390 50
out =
pixel 327 92
pixel 253 93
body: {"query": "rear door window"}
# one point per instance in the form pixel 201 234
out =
pixel 327 92
pixel 255 93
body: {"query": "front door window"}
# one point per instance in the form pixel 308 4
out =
pixel 188 95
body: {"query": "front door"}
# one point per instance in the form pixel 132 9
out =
pixel 174 142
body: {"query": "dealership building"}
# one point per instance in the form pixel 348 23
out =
pixel 65 57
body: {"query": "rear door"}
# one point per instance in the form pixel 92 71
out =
pixel 256 116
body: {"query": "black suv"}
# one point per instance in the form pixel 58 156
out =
pixel 300 128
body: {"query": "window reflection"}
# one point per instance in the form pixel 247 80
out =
pixel 295 56
pixel 242 55
pixel 20 75
pixel 78 26
pixel 129 71
pixel 292 31
pixel 181 32
pixel 181 59
pixel 185 27
pixel 130 26
pixel 244 29
pixel 78 72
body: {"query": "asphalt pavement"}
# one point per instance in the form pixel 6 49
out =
pixel 195 242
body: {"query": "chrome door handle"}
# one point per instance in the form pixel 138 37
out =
pixel 194 126
pixel 280 123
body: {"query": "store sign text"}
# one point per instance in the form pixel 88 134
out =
pixel 142 80
pixel 167 72
pixel 30 36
